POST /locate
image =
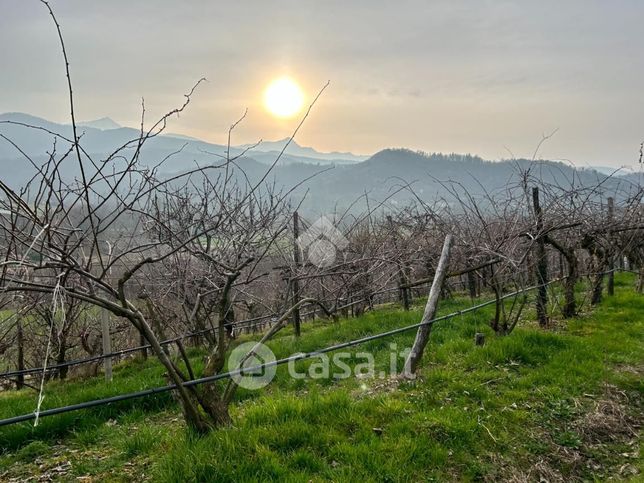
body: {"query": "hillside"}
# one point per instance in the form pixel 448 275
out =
pixel 557 405
pixel 329 181
pixel 391 175
pixel 33 136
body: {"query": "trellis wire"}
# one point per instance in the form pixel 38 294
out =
pixel 293 358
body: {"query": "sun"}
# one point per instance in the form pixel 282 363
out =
pixel 283 98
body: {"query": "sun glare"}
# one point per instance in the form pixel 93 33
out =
pixel 283 98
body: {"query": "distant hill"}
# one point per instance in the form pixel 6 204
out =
pixel 104 124
pixel 104 135
pixel 385 175
pixel 327 180
pixel 300 151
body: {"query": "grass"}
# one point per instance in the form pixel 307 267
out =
pixel 562 404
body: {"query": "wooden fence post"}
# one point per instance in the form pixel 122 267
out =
pixel 295 285
pixel 402 279
pixel 611 256
pixel 20 381
pixel 107 344
pixel 422 336
pixel 541 262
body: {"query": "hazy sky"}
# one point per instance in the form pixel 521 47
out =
pixel 479 77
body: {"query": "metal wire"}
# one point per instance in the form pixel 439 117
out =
pixel 87 360
pixel 293 358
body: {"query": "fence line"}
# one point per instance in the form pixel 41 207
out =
pixel 293 358
pixel 237 324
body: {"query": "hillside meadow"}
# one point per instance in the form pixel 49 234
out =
pixel 562 404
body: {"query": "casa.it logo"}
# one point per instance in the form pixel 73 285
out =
pixel 322 241
pixel 248 364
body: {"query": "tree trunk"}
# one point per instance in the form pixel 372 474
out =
pixel 187 398
pixel 570 304
pixel 142 342
pixel 598 261
pixel 422 336
pixel 598 283
pixel 60 357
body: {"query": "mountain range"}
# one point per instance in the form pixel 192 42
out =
pixel 326 181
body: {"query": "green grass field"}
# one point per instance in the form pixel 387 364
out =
pixel 561 404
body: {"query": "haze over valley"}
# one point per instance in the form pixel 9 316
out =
pixel 323 182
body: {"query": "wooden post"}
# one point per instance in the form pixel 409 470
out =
pixel 422 336
pixel 406 291
pixel 20 381
pixel 479 338
pixel 105 331
pixel 611 258
pixel 541 262
pixel 402 279
pixel 404 294
pixel 295 282
pixel 107 344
